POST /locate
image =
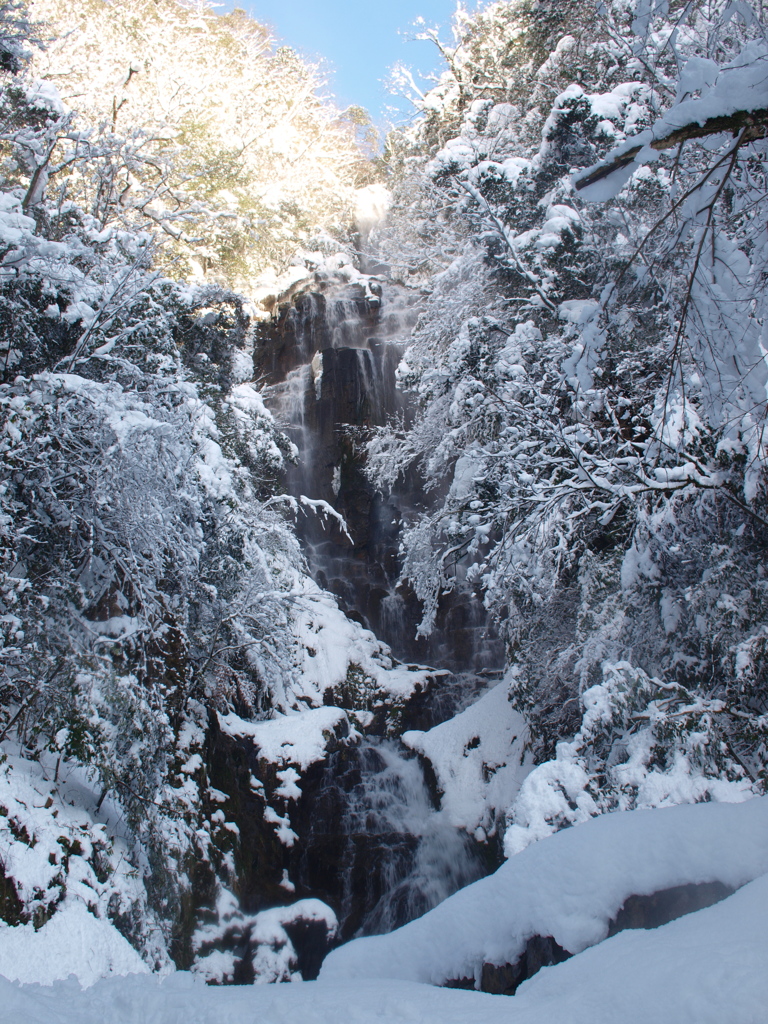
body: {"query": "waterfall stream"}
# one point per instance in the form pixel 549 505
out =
pixel 332 378
pixel 377 838
pixel 377 844
pixel 390 801
pixel 330 367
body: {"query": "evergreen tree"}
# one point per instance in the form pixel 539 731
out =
pixel 591 381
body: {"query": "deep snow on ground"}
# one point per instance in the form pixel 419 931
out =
pixel 72 942
pixel 705 968
pixel 569 886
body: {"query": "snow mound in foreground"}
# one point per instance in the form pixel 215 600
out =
pixel 706 968
pixel 569 886
pixel 72 942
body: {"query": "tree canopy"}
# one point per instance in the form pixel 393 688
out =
pixel 196 126
pixel 583 201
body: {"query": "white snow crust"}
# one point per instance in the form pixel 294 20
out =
pixel 478 760
pixel 707 968
pixel 300 738
pixel 72 942
pixel 568 886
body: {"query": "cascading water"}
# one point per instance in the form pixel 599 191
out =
pixel 330 376
pixel 392 800
pixel 376 847
pixel 377 831
pixel 342 346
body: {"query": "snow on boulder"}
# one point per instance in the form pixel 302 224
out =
pixel 569 886
pixel 276 945
pixel 300 738
pixel 478 761
pixel 341 663
pixel 707 968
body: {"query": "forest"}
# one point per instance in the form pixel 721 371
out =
pixel 383 591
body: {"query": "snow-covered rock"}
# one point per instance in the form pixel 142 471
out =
pixel 300 738
pixel 569 886
pixel 478 760
pixel 707 968
pixel 73 942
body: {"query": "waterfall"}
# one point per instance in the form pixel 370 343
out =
pixel 374 845
pixel 330 367
pixel 330 362
pixel 377 826
pixel 392 800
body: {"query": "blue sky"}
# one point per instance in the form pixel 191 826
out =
pixel 359 38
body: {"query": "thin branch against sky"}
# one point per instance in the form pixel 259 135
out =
pixel 359 41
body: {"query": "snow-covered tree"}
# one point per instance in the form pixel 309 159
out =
pixel 194 125
pixel 149 572
pixel 590 365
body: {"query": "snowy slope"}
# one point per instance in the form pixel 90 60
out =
pixel 73 942
pixel 707 968
pixel 568 886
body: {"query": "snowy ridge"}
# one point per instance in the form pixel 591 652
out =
pixel 570 887
pixel 706 968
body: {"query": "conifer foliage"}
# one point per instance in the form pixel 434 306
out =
pixel 149 573
pixel 584 203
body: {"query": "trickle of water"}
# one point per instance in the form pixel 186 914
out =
pixel 371 385
pixel 288 399
pixel 392 802
pixel 346 324
pixel 393 616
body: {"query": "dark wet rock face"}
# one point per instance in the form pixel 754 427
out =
pixel 667 905
pixel 11 907
pixel 540 951
pixel 259 857
pixel 311 941
pixel 651 911
pixel 329 358
pixel 370 844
